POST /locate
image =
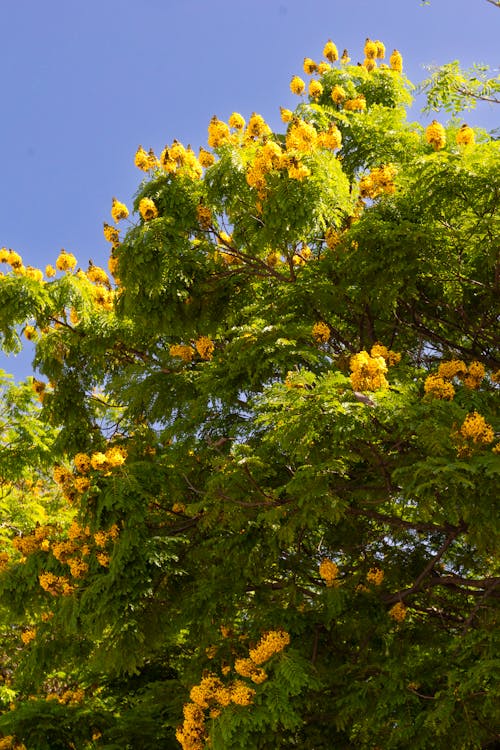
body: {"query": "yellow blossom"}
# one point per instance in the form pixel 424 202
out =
pixel 97 274
pixel 451 369
pixel 398 612
pixel 370 49
pixel 28 635
pixel 286 114
pixel 477 429
pixel 358 104
pixel 111 234
pixel 236 121
pixel 205 158
pixel 338 94
pixel 328 571
pixel 309 66
pixel 218 133
pixel 330 51
pixel 186 353
pixel 369 63
pixel 375 576
pixel 271 643
pixel 323 67
pixel 98 461
pixel 297 85
pixel 115 456
pixel 391 358
pixel 380 49
pixel 65 261
pixel 241 694
pixel 205 347
pixel 144 160
pixel 368 373
pixel 438 387
pixel 257 127
pixel 396 61
pixel 315 89
pixel 50 271
pixel 147 209
pixel 435 135
pixel 118 210
pixel 30 333
pixel 34 273
pixel 321 332
pixel 465 136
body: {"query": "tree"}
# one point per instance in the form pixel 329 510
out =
pixel 275 441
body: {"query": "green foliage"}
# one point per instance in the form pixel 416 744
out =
pixel 280 417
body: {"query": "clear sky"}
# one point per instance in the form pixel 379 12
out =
pixel 83 83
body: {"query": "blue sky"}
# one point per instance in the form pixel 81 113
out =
pixel 83 83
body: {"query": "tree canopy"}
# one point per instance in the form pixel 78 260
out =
pixel 249 500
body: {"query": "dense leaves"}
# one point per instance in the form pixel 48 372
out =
pixel 264 466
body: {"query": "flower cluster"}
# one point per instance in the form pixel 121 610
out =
pixel 118 210
pixel 398 612
pixel 375 576
pixel 65 261
pixel 379 180
pixel 248 668
pixel 435 135
pixel 145 160
pixel 328 571
pixel 367 372
pixel 473 433
pixel 205 347
pixel 440 386
pixel 147 209
pixel 271 643
pixel 182 351
pixel 321 332
pixel 465 136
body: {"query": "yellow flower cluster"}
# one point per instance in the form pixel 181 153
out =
pixel 398 612
pixel 177 158
pixel 396 61
pixel 28 635
pixel 375 576
pixel 33 542
pixel 145 160
pixel 204 216
pixel 315 89
pixel 379 180
pixel 147 209
pixel 184 352
pixel 301 137
pixel 55 585
pixel 330 51
pixel 439 385
pixel 331 138
pixel 476 429
pixel 248 668
pixel 321 332
pixel 257 127
pixel 465 136
pixel 391 358
pixel 65 261
pixel 12 259
pixel 218 133
pixel 118 210
pixel 111 234
pixel 113 457
pixel 271 643
pixel 205 347
pixel 297 85
pixel 97 275
pixel 329 571
pixel 367 372
pixel 435 135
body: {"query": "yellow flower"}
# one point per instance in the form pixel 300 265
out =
pixel 338 94
pixel 477 429
pixel 332 139
pixel 358 104
pixel 368 373
pixel 205 158
pixel 297 85
pixel 147 209
pixel 142 159
pixel 236 121
pixel 375 576
pixel 97 274
pixel 98 461
pixel 65 261
pixel 451 369
pixel 205 347
pixel 301 136
pixel 81 484
pixel 118 210
pixel 257 127
pixel 380 49
pixel 115 456
pixel 435 135
pixel 330 51
pixel 309 66
pixel 391 358
pixel 315 89
pixel 30 333
pixel 398 612
pixel 286 114
pixel 271 643
pixel 369 63
pixel 438 387
pixel 345 59
pixel 323 67
pixel 34 273
pixel 111 234
pixel 465 136
pixel 321 332
pixel 186 353
pixel 328 571
pixel 370 49
pixel 50 271
pixel 218 133
pixel 298 171
pixel 28 635
pixel 396 61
